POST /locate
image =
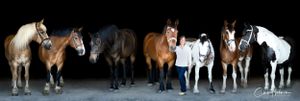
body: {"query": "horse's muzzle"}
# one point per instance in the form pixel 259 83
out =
pixel 243 46
pixel 93 58
pixel 172 48
pixel 47 44
pixel 81 51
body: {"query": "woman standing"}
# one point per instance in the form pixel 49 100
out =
pixel 183 61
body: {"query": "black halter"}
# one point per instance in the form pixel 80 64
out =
pixel 247 41
pixel 40 34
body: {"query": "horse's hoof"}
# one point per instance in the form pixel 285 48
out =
pixel 14 94
pixel 27 93
pixel 170 90
pixel 116 90
pixel 196 91
pixel 212 91
pixel 58 91
pixel 222 92
pixel 132 85
pixel 160 91
pixel 122 85
pixel 111 89
pixel 234 91
pixel 46 92
pixel 149 84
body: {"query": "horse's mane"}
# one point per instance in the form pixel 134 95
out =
pixel 62 31
pixel 24 36
pixel 107 32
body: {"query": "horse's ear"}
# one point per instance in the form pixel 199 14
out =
pixel 233 23
pixel 80 29
pixel 246 24
pixel 176 22
pixel 42 21
pixel 169 22
pixel 225 22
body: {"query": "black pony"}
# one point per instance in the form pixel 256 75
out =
pixel 116 45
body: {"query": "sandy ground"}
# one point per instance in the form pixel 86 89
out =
pixel 98 90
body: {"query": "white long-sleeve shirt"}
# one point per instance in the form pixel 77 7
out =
pixel 184 56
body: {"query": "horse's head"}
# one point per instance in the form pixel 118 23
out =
pixel 76 41
pixel 96 49
pixel 42 36
pixel 249 36
pixel 204 46
pixel 171 32
pixel 228 33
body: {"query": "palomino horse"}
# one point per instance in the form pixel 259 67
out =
pixel 160 48
pixel 57 54
pixel 228 53
pixel 18 52
pixel 276 51
pixel 117 45
pixel 203 54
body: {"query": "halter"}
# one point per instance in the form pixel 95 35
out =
pixel 40 34
pixel 76 43
pixel 208 52
pixel 247 41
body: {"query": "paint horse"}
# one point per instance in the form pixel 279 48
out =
pixel 203 54
pixel 228 53
pixel 160 48
pixel 117 45
pixel 18 52
pixel 276 51
pixel 60 38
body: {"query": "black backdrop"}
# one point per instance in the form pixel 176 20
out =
pixel 192 21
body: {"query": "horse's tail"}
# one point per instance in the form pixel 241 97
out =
pixel 292 43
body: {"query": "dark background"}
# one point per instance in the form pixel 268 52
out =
pixel 193 20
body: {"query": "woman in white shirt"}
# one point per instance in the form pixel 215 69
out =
pixel 183 61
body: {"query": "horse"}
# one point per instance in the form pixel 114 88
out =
pixel 160 48
pixel 60 38
pixel 228 53
pixel 18 52
pixel 117 45
pixel 203 54
pixel 244 62
pixel 275 51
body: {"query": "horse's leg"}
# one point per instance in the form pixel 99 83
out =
pixel 61 81
pixel 161 75
pixel 47 86
pixel 123 62
pixel 281 71
pixel 209 69
pixel 224 65
pixel 58 88
pixel 116 81
pixel 132 59
pixel 197 68
pixel 14 69
pixel 234 90
pixel 26 89
pixel 169 79
pixel 288 82
pixel 149 71
pixel 273 64
pixel 19 76
pixel 266 78
pixel 51 80
pixel 241 70
pixel 111 73
pixel 246 71
pixel 187 76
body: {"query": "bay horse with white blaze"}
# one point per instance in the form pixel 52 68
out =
pixel 18 52
pixel 228 53
pixel 160 48
pixel 275 51
pixel 60 38
pixel 203 55
pixel 117 45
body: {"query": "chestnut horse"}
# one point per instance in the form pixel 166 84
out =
pixel 57 54
pixel 160 48
pixel 228 53
pixel 18 52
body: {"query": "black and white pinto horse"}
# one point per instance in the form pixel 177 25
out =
pixel 203 54
pixel 276 51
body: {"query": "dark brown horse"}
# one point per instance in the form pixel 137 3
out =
pixel 56 55
pixel 117 45
pixel 18 52
pixel 229 53
pixel 160 48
